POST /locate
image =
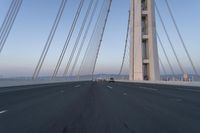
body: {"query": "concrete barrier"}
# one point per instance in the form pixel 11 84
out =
pixel 18 82
pixel 180 83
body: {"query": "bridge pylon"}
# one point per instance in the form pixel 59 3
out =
pixel 144 63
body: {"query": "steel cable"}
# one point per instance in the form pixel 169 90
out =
pixel 68 39
pixel 10 24
pixel 180 37
pixel 162 65
pixel 170 42
pixel 126 43
pixel 81 68
pixel 78 37
pixel 84 37
pixel 49 40
pixel 7 17
pixel 100 42
pixel 165 53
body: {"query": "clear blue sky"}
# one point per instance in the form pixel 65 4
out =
pixel 35 19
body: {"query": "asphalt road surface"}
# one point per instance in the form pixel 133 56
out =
pixel 91 107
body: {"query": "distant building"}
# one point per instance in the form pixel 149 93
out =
pixel 195 78
pixel 186 77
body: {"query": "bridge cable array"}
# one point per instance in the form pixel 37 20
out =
pixel 59 62
pixel 92 37
pixel 125 47
pixel 101 39
pixel 78 38
pixel 84 37
pixel 89 61
pixel 165 53
pixel 9 21
pixel 162 66
pixel 181 38
pixel 49 40
pixel 168 38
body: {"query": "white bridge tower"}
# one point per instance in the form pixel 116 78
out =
pixel 144 61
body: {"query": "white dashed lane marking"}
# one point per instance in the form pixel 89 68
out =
pixel 3 111
pixel 62 91
pixel 77 86
pixel 147 88
pixel 124 93
pixel 176 100
pixel 109 87
pixel 188 90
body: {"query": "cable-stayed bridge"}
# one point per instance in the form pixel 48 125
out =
pixel 154 87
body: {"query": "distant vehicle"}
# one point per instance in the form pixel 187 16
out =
pixel 99 80
pixel 111 80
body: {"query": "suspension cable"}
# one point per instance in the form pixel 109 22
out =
pixel 7 17
pixel 165 53
pixel 78 37
pixel 126 42
pixel 181 38
pixel 9 23
pixel 170 42
pixel 84 37
pixel 108 11
pixel 92 36
pixel 161 63
pixel 68 39
pixel 49 40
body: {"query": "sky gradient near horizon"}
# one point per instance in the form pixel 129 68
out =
pixel 34 21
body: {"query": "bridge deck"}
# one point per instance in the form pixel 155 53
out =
pixel 91 107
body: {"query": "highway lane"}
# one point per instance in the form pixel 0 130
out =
pixel 91 107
